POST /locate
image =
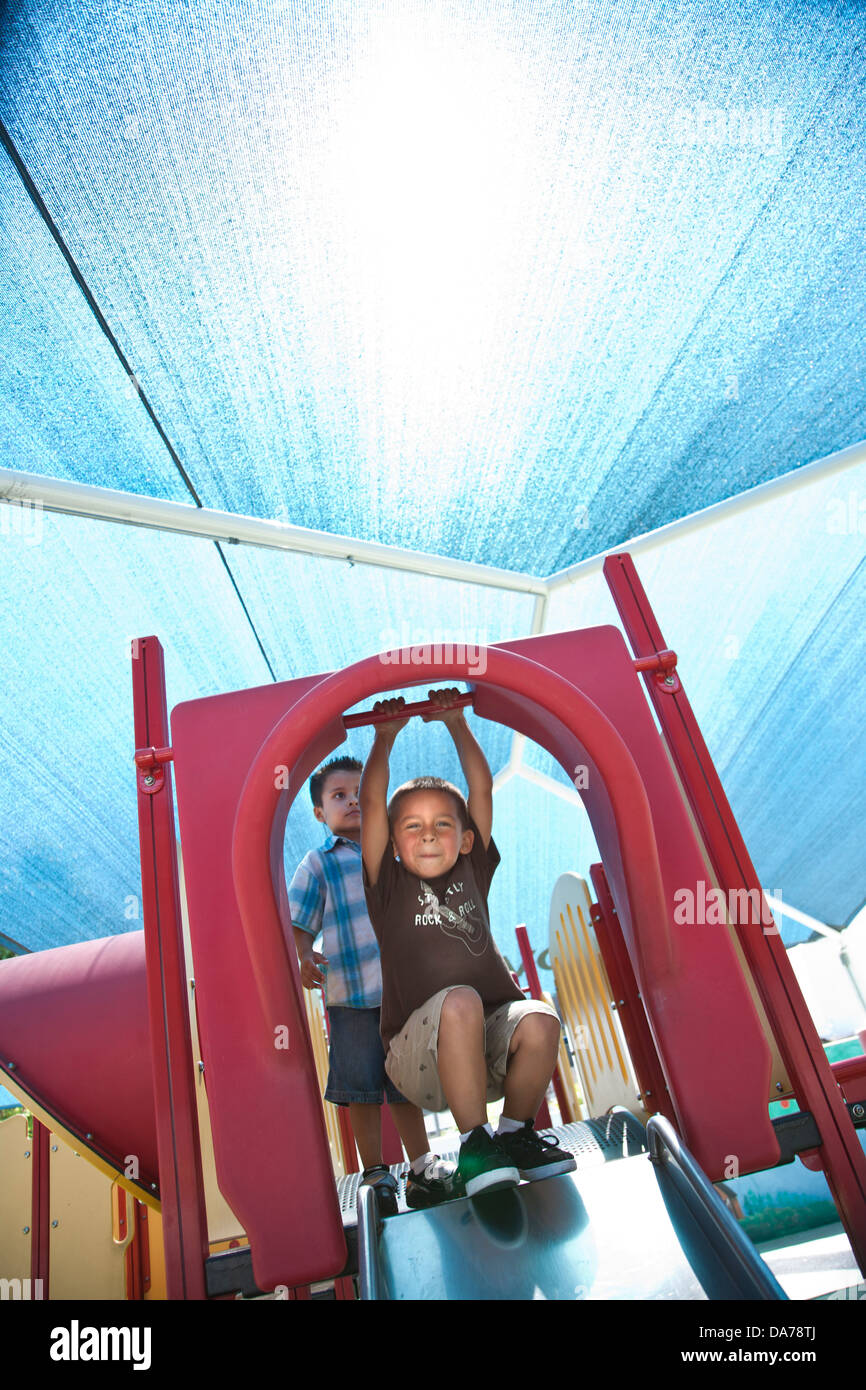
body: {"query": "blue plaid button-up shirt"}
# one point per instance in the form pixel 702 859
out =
pixel 327 895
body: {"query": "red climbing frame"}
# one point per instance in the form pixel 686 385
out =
pixel 253 751
pixel 811 1075
pixel 240 759
pixel 181 1188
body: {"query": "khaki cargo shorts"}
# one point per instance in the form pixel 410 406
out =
pixel 411 1061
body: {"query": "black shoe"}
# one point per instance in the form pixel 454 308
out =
pixel 483 1165
pixel 535 1155
pixel 384 1184
pixel 438 1183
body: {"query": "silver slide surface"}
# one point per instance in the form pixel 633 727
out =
pixel 611 1232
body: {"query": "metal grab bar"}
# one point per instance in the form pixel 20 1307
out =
pixel 369 1225
pixel 720 1237
pixel 421 707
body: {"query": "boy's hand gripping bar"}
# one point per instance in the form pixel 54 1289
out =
pixel 355 721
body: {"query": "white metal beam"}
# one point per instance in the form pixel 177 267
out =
pixel 541 779
pixel 794 914
pixel 720 511
pixel 132 509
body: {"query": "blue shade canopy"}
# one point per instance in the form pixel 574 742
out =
pixel 401 271
pixel 508 285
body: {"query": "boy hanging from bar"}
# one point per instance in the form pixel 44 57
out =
pixel 327 895
pixel 456 1027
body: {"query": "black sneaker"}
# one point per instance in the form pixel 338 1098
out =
pixel 535 1155
pixel 384 1184
pixel 438 1183
pixel 483 1165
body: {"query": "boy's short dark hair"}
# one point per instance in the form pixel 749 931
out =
pixel 429 784
pixel 319 778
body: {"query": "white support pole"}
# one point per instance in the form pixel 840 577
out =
pixel 131 509
pixel 794 914
pixel 721 511
pixel 541 779
pixel 539 614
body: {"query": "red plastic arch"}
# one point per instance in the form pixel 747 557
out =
pixel 304 723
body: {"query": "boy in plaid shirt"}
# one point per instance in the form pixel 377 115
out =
pixel 326 896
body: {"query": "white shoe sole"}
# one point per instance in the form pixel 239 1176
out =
pixel 550 1170
pixel 488 1182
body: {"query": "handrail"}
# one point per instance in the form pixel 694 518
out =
pixel 666 1146
pixel 421 707
pixel 369 1222
pixel 323 706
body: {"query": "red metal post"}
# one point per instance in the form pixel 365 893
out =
pixel 843 1160
pixel 181 1186
pixel 142 1235
pixel 40 1210
pixel 542 1119
pixel 562 1098
pixel 133 1263
pixel 347 1139
pixel 632 1015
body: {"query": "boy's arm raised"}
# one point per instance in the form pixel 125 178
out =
pixel 479 778
pixel 373 791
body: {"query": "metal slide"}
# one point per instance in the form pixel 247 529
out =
pixel 648 1226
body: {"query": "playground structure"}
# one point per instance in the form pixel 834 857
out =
pixel 711 1017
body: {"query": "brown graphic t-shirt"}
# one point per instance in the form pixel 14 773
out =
pixel 436 932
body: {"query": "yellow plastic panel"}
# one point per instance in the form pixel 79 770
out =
pixel 54 1124
pixel 586 1003
pixel 85 1260
pixel 16 1169
pixel 222 1224
pixel 319 1038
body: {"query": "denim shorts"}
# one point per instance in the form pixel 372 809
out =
pixel 356 1074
